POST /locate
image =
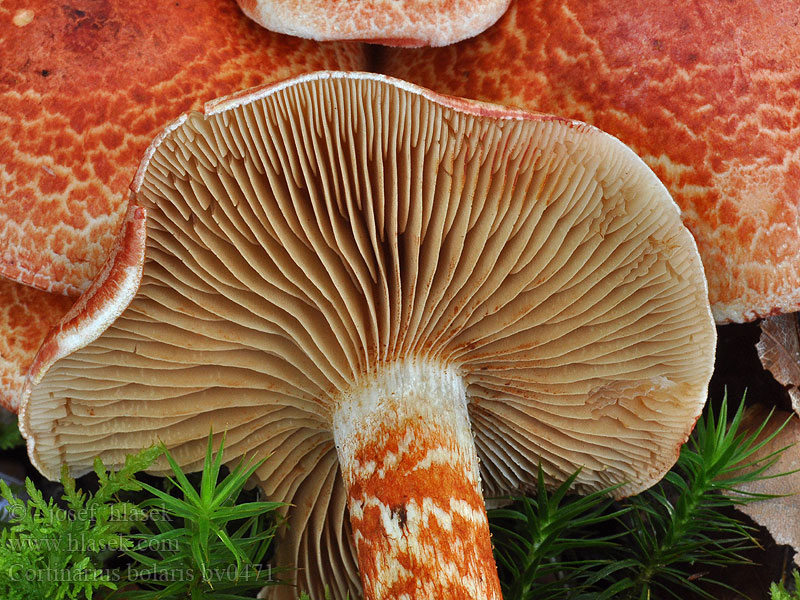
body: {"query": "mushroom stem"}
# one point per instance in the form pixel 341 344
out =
pixel 411 472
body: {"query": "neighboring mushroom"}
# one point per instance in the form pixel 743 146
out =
pixel 390 22
pixel 705 92
pixel 345 269
pixel 84 88
pixel 26 317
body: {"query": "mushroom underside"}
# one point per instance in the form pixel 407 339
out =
pixel 306 239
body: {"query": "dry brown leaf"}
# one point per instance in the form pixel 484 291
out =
pixel 781 516
pixel 779 351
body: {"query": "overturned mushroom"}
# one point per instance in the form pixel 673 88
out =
pixel 377 287
pixel 390 22
pixel 84 88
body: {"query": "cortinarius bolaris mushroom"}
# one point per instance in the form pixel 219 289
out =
pixel 705 92
pixel 390 22
pixel 379 287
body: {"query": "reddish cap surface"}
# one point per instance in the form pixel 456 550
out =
pixel 84 88
pixel 26 315
pixel 390 22
pixel 706 93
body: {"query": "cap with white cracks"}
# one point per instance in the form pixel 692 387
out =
pixel 391 22
pixel 346 245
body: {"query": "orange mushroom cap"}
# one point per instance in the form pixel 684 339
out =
pixel 26 316
pixel 403 23
pixel 84 88
pixel 706 93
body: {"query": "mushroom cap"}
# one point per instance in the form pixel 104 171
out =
pixel 389 22
pixel 85 87
pixel 705 93
pixel 294 240
pixel 26 317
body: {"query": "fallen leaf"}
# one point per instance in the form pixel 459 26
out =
pixel 779 351
pixel 781 515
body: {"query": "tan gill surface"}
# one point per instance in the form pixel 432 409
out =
pixel 304 236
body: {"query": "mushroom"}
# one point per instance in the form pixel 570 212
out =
pixel 390 22
pixel 84 88
pixel 706 93
pixel 403 300
pixel 26 317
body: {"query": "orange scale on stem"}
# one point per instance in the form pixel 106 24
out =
pixel 410 469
